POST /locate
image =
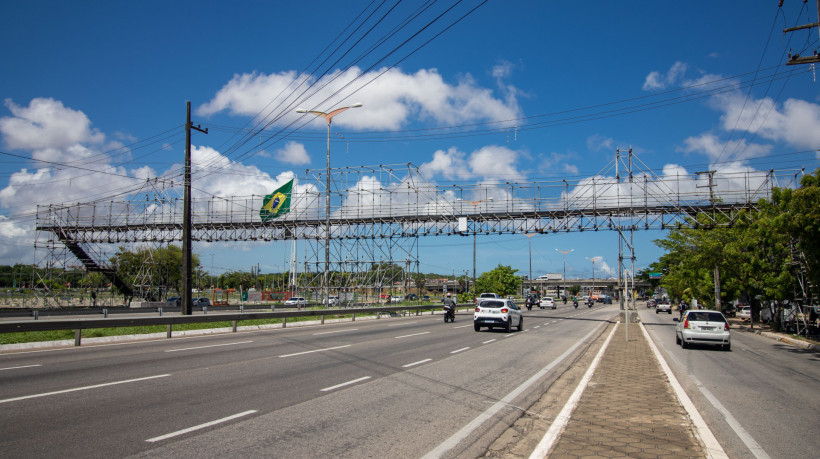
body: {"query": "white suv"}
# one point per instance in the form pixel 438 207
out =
pixel 497 313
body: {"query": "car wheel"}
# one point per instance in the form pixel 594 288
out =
pixel 683 344
pixel 670 311
pixel 476 327
pixel 508 327
pixel 657 312
pixel 520 323
pixel 553 307
pixel 727 347
pixel 677 339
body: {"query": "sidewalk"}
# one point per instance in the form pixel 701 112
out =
pixel 628 409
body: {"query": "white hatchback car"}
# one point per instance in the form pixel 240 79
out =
pixel 703 327
pixel 497 313
pixel 547 302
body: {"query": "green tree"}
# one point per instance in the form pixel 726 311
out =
pixel 501 280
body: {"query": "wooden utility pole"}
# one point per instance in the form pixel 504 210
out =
pixel 186 301
pixel 798 59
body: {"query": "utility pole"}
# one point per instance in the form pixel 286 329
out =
pixel 186 304
pixel 796 58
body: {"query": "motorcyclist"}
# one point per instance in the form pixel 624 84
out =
pixel 575 302
pixel 449 307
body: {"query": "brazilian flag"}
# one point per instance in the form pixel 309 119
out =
pixel 276 203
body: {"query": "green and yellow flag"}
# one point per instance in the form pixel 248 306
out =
pixel 276 203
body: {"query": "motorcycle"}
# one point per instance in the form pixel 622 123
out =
pixel 575 303
pixel 449 313
pixel 590 301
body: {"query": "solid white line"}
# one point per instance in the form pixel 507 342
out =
pixel 744 436
pixel 416 363
pixel 76 389
pixel 336 331
pixel 487 342
pixel 326 389
pixel 315 350
pixel 462 326
pixel 465 431
pixel 414 334
pixel 17 368
pixel 206 347
pixel 713 448
pixel 201 426
pixel 563 417
pixel 459 350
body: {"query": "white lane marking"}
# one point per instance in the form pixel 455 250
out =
pixel 201 426
pixel 327 389
pixel 315 350
pixel 468 429
pixel 416 363
pixel 76 389
pixel 462 326
pixel 511 334
pixel 488 342
pixel 398 325
pixel 336 331
pixel 713 448
pixel 208 346
pixel 414 334
pixel 459 350
pixel 744 436
pixel 537 326
pixel 17 368
pixel 545 324
pixel 562 419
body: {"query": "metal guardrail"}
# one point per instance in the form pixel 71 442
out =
pixel 169 321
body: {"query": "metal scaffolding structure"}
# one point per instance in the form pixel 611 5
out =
pixel 378 213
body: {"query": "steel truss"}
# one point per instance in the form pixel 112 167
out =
pixel 378 213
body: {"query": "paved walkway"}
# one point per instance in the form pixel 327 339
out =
pixel 628 409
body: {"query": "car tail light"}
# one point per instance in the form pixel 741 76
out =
pixel 726 326
pixel 504 311
pixel 477 309
pixel 686 323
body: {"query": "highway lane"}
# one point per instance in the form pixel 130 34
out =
pixel 353 389
pixel 759 399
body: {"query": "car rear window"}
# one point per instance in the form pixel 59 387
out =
pixel 705 316
pixel 492 304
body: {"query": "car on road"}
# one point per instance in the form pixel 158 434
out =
pixel 201 302
pixel 396 299
pixel 502 313
pixel 663 306
pixel 745 313
pixel 173 302
pixel 703 327
pixel 729 311
pixel 547 302
pixel 296 301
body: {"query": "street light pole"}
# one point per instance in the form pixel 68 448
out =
pixel 475 203
pixel 593 272
pixel 564 253
pixel 329 118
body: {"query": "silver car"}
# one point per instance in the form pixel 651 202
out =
pixel 497 313
pixel 703 327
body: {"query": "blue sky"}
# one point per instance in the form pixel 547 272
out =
pixel 104 84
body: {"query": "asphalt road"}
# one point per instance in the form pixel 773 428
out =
pixel 760 399
pixel 400 387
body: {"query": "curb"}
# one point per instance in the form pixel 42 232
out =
pixel 781 338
